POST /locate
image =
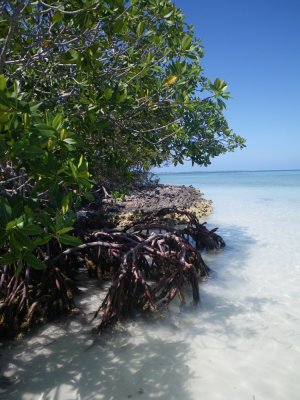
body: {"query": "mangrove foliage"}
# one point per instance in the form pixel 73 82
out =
pixel 96 91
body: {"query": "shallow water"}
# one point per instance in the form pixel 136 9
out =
pixel 242 343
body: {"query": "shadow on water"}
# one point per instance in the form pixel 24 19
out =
pixel 228 305
pixel 116 368
pixel 152 363
pixel 228 263
pixel 231 321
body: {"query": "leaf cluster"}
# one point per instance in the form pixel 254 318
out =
pixel 111 86
pixel 41 180
pixel 127 74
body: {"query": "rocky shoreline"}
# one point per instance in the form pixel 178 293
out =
pixel 106 212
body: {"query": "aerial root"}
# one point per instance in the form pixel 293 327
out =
pixel 149 264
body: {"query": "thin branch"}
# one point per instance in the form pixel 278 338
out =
pixel 13 24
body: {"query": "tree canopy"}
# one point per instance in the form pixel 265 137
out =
pixel 126 75
pixel 94 87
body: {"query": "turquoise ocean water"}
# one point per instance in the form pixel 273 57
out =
pixel 252 304
pixel 241 343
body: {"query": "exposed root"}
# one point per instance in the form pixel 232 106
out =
pixel 27 300
pixel 204 238
pixel 149 264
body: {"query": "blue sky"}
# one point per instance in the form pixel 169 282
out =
pixel 255 47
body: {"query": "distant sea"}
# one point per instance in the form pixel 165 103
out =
pixel 244 179
pixel 248 336
pixel 241 343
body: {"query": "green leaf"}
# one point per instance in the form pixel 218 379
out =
pixel 186 42
pixel 5 210
pixel 2 83
pixel 74 170
pixel 14 223
pixel 69 240
pixel 45 130
pixel 41 240
pixel 220 85
pixel 121 95
pixel 5 101
pixel 119 26
pixel 74 55
pixel 69 141
pixel 108 92
pixel 23 107
pixel 20 239
pixel 66 202
pixel 168 15
pixel 57 17
pixel 34 262
pixel 140 28
pixel 35 106
pixel 80 161
pixel 57 121
pixel 89 197
pixel 27 151
pixel 221 104
pixel 9 258
pixel 65 230
pixel 32 229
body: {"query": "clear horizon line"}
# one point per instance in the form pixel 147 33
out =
pixel 224 171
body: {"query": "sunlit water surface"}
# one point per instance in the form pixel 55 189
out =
pixel 242 343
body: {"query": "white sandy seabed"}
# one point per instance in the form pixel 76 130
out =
pixel 242 343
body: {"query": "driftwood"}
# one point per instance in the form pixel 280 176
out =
pixel 148 263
